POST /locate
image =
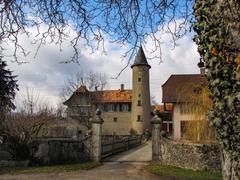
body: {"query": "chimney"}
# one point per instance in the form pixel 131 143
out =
pixel 202 71
pixel 122 87
pixel 201 65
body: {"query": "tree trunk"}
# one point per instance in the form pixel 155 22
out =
pixel 230 167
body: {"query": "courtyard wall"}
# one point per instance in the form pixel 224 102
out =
pixel 193 156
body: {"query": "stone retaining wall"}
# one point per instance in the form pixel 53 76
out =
pixel 193 156
pixel 61 151
pixel 52 151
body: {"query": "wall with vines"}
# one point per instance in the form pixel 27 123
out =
pixel 218 32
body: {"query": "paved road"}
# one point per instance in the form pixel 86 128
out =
pixel 125 166
pixel 142 153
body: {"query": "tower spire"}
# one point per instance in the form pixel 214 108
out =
pixel 140 59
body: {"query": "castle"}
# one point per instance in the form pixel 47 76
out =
pixel 124 111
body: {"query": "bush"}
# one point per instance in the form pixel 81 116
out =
pixel 18 132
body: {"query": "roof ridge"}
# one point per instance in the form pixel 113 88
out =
pixel 185 74
pixel 112 90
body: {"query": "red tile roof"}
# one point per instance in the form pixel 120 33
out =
pixel 160 107
pixel 112 96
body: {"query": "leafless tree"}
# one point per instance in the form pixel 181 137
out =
pixel 153 100
pixel 60 111
pixel 92 81
pixel 126 22
pixel 18 131
pixel 33 102
pixel 20 127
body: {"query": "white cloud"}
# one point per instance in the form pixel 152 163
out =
pixel 47 75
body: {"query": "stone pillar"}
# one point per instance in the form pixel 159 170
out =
pixel 96 136
pixel 156 122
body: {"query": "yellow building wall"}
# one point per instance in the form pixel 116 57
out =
pixel 122 126
pixel 177 118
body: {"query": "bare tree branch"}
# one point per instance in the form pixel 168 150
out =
pixel 127 22
pixel 93 81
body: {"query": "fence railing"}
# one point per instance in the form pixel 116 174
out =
pixel 115 144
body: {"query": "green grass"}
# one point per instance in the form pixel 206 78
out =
pixel 172 171
pixel 49 169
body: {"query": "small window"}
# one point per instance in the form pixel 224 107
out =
pixel 129 107
pixel 139 95
pixel 114 119
pixel 139 118
pixel 139 76
pixel 110 107
pixel 139 103
pixel 105 107
pixel 125 108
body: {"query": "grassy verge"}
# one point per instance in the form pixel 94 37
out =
pixel 50 169
pixel 172 171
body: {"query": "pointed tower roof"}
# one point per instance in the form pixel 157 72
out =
pixel 140 59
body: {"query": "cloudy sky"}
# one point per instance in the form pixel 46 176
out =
pixel 46 75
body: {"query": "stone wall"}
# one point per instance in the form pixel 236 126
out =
pixel 52 151
pixel 62 129
pixel 61 151
pixel 193 156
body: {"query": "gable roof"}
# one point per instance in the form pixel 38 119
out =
pixel 178 85
pixel 111 96
pixel 81 90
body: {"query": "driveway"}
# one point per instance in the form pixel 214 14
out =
pixel 139 154
pixel 125 166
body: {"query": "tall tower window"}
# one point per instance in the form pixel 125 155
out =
pixel 139 103
pixel 140 77
pixel 139 118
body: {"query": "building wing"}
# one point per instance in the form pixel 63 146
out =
pixel 178 87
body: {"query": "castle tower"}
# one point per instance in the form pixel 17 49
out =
pixel 141 107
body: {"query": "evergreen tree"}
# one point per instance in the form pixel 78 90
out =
pixel 8 88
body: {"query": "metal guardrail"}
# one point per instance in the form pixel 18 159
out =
pixel 115 145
